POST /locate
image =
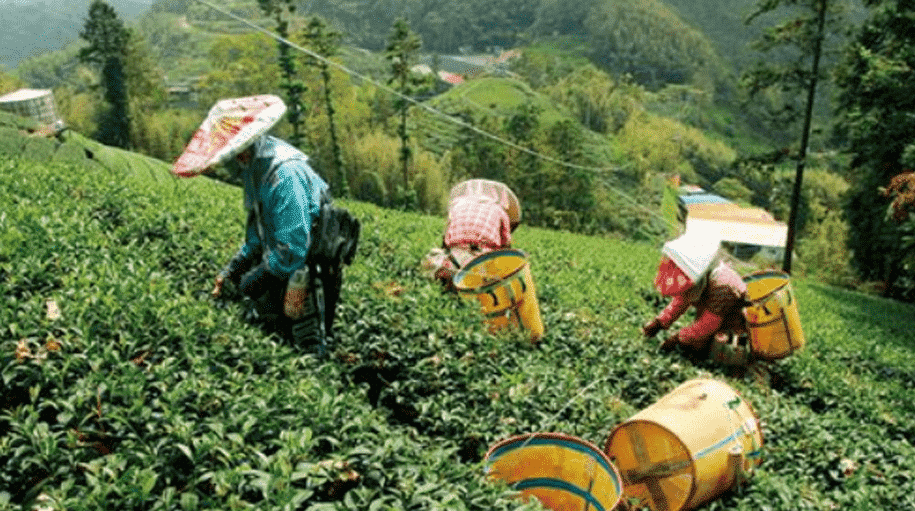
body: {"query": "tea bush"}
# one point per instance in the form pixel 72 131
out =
pixel 143 392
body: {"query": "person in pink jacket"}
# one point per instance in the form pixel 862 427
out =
pixel 693 275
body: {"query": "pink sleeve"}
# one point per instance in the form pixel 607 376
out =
pixel 674 310
pixel 705 325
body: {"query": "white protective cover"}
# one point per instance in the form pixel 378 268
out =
pixel 694 254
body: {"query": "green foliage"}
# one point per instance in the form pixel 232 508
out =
pixel 377 174
pixel 163 398
pixel 650 42
pixel 105 35
pixel 163 134
pixel 238 68
pixel 106 48
pixel 402 52
pixel 555 17
pixel 547 60
pixel 281 12
pixel 9 83
pixel 734 190
pixel 806 44
pixel 877 104
pixel 665 147
pixel 823 254
pixel 599 103
pixel 325 42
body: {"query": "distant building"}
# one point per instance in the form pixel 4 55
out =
pixel 183 94
pixel 36 104
pixel 745 232
pixel 457 68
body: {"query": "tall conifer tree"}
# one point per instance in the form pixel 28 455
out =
pixel 107 39
pixel 325 42
pixel 403 52
pixel 804 36
pixel 282 12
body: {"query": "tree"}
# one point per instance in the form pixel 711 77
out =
pixel 146 85
pixel 523 166
pixel 649 41
pixel 403 52
pixel 9 83
pixel 877 121
pixel 561 17
pixel 281 11
pixel 804 36
pixel 237 67
pixel 325 42
pixel 107 41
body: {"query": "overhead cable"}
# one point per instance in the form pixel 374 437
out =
pixel 600 171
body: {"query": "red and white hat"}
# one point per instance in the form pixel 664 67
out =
pixel 684 262
pixel 485 189
pixel 228 129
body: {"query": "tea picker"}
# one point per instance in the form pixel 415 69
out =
pixel 693 273
pixel 745 321
pixel 296 241
pixel 482 215
pixel 476 259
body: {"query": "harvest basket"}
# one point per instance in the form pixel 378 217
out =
pixel 501 282
pixel 689 447
pixel 772 316
pixel 563 472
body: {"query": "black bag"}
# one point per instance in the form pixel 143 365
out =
pixel 335 236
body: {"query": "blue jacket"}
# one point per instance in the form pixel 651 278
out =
pixel 283 199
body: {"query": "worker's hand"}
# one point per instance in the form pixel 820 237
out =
pixel 217 287
pixel 651 328
pixel 669 342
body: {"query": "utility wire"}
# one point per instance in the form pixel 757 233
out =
pixel 598 171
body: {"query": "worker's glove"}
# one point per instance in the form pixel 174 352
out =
pixel 670 341
pixel 217 286
pixel 651 328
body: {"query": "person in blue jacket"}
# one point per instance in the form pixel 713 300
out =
pixel 283 200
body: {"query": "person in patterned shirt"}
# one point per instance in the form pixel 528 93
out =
pixel 476 224
pixel 693 275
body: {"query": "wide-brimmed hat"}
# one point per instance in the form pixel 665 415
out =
pixel 684 262
pixel 487 189
pixel 229 128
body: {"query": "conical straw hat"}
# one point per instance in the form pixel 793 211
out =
pixel 499 192
pixel 228 129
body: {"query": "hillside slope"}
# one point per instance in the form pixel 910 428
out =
pixel 39 26
pixel 126 386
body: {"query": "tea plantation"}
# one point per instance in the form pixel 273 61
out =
pixel 126 386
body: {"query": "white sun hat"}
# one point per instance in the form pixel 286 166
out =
pixel 230 127
pixel 692 253
pixel 485 188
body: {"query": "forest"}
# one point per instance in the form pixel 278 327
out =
pixel 599 106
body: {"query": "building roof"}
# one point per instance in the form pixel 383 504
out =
pixel 452 78
pixel 699 198
pixel 24 95
pixel 729 211
pixel 746 233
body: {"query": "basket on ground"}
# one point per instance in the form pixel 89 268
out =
pixel 563 472
pixel 689 447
